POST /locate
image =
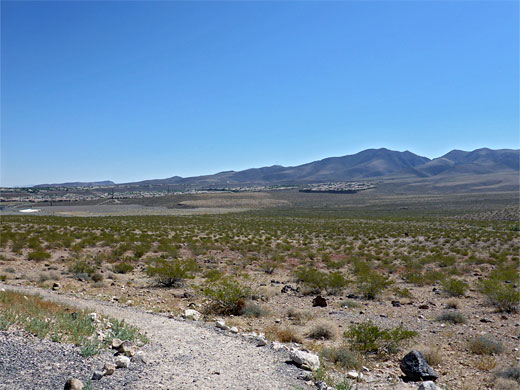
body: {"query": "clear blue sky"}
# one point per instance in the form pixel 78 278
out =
pixel 138 90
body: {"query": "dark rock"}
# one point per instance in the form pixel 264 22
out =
pixel 352 296
pixel 396 303
pixel 319 301
pixel 287 289
pixel 485 320
pixel 424 307
pixel 97 375
pixel 415 367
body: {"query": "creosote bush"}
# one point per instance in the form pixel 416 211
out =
pixel 367 337
pixel 122 268
pixel 372 284
pixel 333 281
pixel 501 295
pixel 169 273
pixel 227 295
pixel 455 287
pixel 39 255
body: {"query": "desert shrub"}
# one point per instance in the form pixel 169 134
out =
pixel 283 335
pixel 370 285
pixel 485 345
pixel 254 310
pixel 169 273
pixel 39 255
pixel 452 304
pixel 227 295
pixel 334 281
pixel 453 317
pixel 367 337
pixel 122 268
pixel 299 317
pixel 511 373
pixel 455 287
pixel 402 292
pixel 503 296
pixel 349 303
pixel 342 357
pixel 82 267
pixel 97 277
pixel 3 278
pixel 323 331
pixel 213 275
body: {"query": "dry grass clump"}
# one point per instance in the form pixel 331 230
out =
pixel 299 317
pixel 342 357
pixel 431 353
pixel 485 345
pixel 283 335
pixel 452 304
pixel 505 384
pixel 453 317
pixel 511 373
pixel 486 363
pixel 325 330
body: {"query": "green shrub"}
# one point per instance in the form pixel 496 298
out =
pixel 213 275
pixel 342 357
pixel 123 268
pixel 39 255
pixel 81 267
pixel 227 295
pixel 453 317
pixel 169 273
pixel 97 277
pixel 369 338
pixel 485 345
pixel 455 287
pixel 371 285
pixel 503 296
pixel 333 282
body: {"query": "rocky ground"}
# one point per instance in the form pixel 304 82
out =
pixel 182 355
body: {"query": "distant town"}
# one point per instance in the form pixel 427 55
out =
pixel 89 193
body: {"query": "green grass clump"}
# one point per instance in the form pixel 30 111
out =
pixel 227 296
pixel 367 337
pixel 60 323
pixel 169 273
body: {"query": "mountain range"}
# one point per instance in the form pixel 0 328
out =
pixel 370 164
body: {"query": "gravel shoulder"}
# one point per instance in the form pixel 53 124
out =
pixel 188 355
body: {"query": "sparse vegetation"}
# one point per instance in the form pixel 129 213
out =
pixel 453 317
pixel 367 337
pixel 485 345
pixel 169 273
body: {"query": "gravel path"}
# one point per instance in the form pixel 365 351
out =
pixel 187 355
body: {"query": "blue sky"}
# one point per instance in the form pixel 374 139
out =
pixel 138 90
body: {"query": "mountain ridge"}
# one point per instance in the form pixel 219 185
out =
pixel 368 164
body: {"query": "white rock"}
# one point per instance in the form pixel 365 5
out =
pixel 122 361
pixel 428 385
pixel 221 324
pixel 139 357
pixel 234 329
pixel 261 341
pixel 93 316
pixel 305 359
pixel 277 346
pixel 354 375
pixel 191 314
